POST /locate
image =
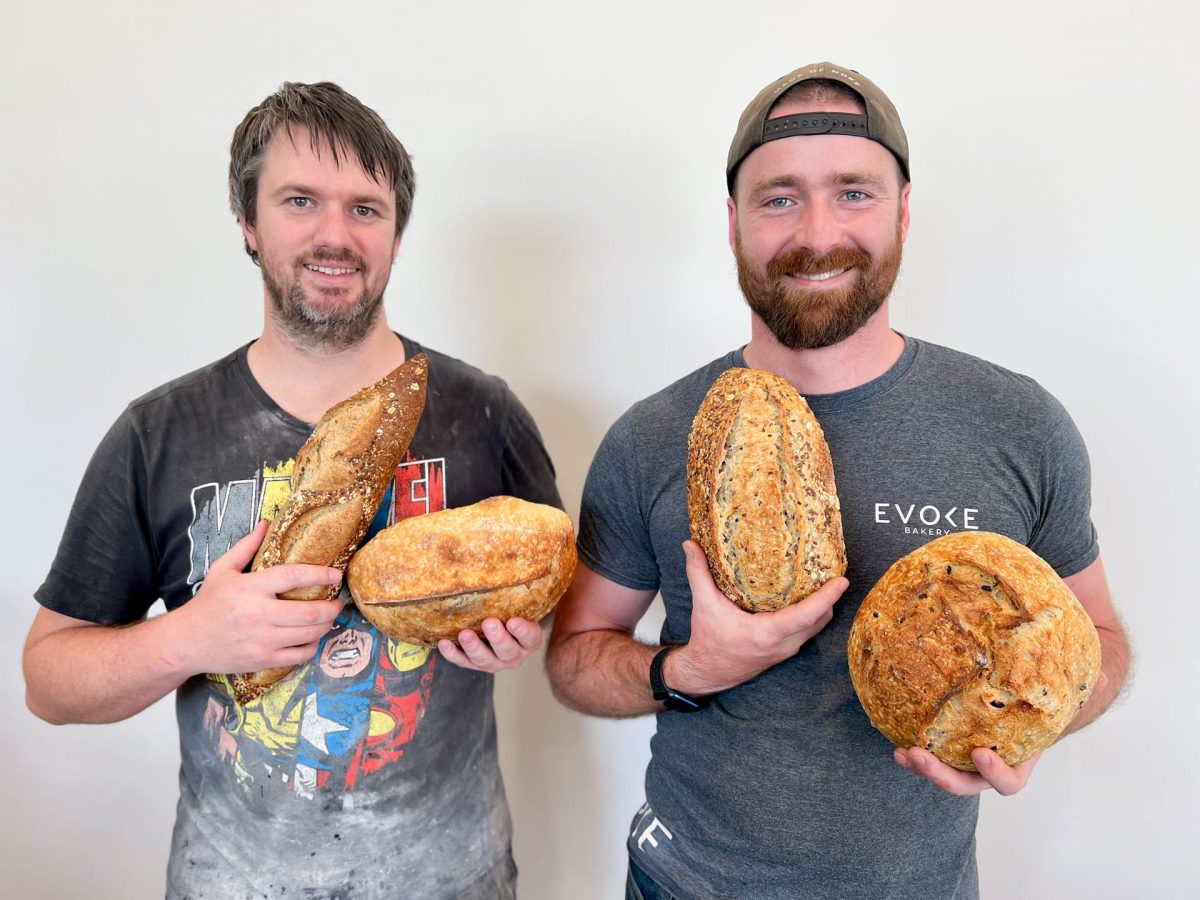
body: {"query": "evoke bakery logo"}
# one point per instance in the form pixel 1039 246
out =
pixel 927 520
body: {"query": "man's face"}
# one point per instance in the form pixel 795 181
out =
pixel 816 226
pixel 325 233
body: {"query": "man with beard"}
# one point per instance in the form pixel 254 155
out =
pixel 766 779
pixel 170 509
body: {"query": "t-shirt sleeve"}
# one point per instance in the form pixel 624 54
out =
pixel 1063 534
pixel 104 570
pixel 614 538
pixel 528 472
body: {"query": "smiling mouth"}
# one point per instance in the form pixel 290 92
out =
pixel 819 276
pixel 329 270
pixel 344 655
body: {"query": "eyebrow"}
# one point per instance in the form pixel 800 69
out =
pixel 867 178
pixel 304 190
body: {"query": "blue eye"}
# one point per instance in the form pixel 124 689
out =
pixel 779 202
pixel 362 211
pixel 300 202
pixel 855 196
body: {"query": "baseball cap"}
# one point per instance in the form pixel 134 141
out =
pixel 881 122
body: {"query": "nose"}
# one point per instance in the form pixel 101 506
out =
pixel 331 228
pixel 818 229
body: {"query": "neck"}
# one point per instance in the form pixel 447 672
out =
pixel 862 357
pixel 306 381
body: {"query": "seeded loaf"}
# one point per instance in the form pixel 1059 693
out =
pixel 973 641
pixel 762 502
pixel 430 577
pixel 338 481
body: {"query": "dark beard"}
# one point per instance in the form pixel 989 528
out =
pixel 804 319
pixel 315 329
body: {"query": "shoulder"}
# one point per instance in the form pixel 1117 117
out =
pixel 964 380
pixel 452 377
pixel 670 411
pixel 203 382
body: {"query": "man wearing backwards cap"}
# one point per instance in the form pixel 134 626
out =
pixel 766 779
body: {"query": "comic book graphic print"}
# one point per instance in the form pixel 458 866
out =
pixel 348 713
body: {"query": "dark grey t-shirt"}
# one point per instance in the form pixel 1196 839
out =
pixel 370 772
pixel 781 787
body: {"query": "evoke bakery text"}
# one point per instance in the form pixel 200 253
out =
pixel 928 519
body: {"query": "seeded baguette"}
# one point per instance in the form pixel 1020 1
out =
pixel 430 577
pixel 338 481
pixel 973 641
pixel 762 501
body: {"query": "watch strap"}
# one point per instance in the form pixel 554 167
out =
pixel 664 694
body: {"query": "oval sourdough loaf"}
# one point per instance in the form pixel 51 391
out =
pixel 429 577
pixel 339 478
pixel 762 502
pixel 973 641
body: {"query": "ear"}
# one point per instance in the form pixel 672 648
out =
pixel 248 232
pixel 395 247
pixel 731 207
pixel 904 210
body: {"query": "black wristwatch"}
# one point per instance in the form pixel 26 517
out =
pixel 669 698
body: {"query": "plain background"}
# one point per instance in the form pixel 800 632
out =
pixel 569 234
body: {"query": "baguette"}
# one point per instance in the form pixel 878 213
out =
pixel 972 641
pixel 762 502
pixel 430 577
pixel 338 481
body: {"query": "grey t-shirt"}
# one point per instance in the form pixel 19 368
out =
pixel 369 772
pixel 781 787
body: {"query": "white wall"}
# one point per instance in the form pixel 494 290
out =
pixel 570 234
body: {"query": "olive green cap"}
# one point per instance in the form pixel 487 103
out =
pixel 881 122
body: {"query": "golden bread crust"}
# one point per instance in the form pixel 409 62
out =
pixel 429 577
pixel 338 481
pixel 762 501
pixel 973 641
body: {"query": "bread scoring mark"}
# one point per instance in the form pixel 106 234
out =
pixel 1029 635
pixel 761 498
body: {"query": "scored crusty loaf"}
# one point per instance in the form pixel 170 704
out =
pixel 432 576
pixel 973 641
pixel 762 502
pixel 338 481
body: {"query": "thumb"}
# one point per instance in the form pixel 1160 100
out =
pixel 699 576
pixel 237 557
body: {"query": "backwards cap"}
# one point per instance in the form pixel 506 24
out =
pixel 880 124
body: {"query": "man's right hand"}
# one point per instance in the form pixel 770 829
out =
pixel 729 646
pixel 237 623
pixel 78 671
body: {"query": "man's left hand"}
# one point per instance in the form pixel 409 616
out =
pixel 504 645
pixel 993 771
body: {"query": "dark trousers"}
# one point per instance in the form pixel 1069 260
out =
pixel 640 886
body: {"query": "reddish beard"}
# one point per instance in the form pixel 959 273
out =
pixel 811 318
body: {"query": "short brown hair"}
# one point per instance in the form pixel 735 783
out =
pixel 332 118
pixel 820 90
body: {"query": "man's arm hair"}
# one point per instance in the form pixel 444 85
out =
pixel 594 663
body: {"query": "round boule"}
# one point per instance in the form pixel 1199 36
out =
pixel 973 641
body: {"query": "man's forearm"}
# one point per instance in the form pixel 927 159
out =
pixel 1114 663
pixel 602 673
pixel 97 673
